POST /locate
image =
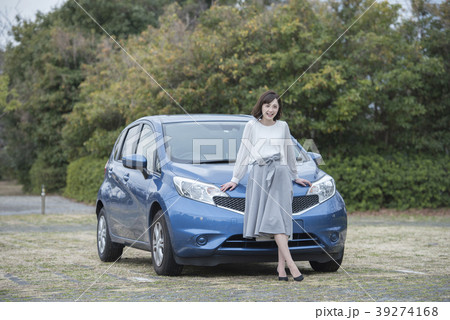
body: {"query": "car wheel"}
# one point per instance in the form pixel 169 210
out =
pixel 162 253
pixel 330 266
pixel 108 251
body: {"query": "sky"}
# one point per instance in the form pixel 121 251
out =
pixel 28 8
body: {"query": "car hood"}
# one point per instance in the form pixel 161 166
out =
pixel 221 173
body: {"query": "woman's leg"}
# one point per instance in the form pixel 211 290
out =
pixel 281 264
pixel 282 243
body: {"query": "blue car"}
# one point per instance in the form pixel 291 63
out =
pixel 161 193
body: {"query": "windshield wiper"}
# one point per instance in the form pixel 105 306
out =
pixel 216 161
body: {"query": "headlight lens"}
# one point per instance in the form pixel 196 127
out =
pixel 196 190
pixel 324 188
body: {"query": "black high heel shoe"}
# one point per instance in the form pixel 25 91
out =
pixel 299 278
pixel 282 278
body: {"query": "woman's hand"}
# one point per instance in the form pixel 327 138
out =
pixel 229 185
pixel 302 182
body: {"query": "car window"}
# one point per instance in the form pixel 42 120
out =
pixel 147 147
pixel 301 155
pixel 212 141
pixel 117 146
pixel 189 142
pixel 130 143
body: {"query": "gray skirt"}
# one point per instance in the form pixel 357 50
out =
pixel 268 201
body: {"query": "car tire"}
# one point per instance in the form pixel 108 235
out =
pixel 162 254
pixel 329 266
pixel 108 251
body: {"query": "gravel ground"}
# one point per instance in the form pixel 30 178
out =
pixel 10 205
pixel 387 258
pixel 14 202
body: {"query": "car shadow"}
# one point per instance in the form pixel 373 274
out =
pixel 230 269
pixel 235 269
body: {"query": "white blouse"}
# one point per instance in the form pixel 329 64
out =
pixel 261 141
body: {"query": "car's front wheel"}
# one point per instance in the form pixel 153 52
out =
pixel 108 251
pixel 329 266
pixel 162 253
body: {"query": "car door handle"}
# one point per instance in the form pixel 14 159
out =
pixel 126 177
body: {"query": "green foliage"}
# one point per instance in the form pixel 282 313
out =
pixel 4 81
pixel 45 70
pixel 396 181
pixel 119 18
pixel 84 177
pixel 102 142
pixel 47 170
pixel 44 73
pixel 365 95
pixel 5 166
pixel 380 89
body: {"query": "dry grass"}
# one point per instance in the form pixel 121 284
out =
pixel 54 258
pixel 10 188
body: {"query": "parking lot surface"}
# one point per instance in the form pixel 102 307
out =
pixel 396 257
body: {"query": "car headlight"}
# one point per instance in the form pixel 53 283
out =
pixel 196 190
pixel 324 188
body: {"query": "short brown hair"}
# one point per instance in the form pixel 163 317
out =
pixel 267 97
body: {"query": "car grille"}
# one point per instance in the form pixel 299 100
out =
pixel 299 203
pixel 304 202
pixel 298 240
pixel 237 204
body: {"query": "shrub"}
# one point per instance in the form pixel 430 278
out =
pixel 84 177
pixel 395 181
pixel 44 173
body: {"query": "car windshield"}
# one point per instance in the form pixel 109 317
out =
pixel 207 141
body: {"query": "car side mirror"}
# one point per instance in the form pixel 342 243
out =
pixel 317 157
pixel 135 161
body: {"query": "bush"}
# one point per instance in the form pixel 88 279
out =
pixel 101 142
pixel 44 173
pixel 84 177
pixel 6 167
pixel 395 181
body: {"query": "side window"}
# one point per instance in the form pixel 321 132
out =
pixel 131 140
pixel 117 146
pixel 147 148
pixel 301 155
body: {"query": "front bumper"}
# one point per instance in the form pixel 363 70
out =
pixel 206 235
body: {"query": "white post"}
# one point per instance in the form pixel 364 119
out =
pixel 43 199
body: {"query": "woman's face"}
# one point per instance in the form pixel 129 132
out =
pixel 270 110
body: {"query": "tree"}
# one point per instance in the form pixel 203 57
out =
pixel 382 87
pixel 45 69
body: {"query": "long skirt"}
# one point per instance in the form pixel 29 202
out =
pixel 268 201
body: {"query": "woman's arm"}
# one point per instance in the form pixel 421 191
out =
pixel 242 158
pixel 240 167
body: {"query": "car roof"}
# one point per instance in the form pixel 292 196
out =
pixel 197 117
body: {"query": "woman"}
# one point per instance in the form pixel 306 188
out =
pixel 267 145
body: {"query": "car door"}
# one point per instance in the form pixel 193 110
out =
pixel 123 210
pixel 146 182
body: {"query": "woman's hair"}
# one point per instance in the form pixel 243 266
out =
pixel 267 97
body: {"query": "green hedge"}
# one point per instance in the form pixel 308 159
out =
pixel 365 182
pixel 396 181
pixel 44 173
pixel 84 177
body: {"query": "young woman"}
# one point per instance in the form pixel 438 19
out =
pixel 267 145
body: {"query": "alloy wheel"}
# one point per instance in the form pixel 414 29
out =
pixel 101 234
pixel 158 243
